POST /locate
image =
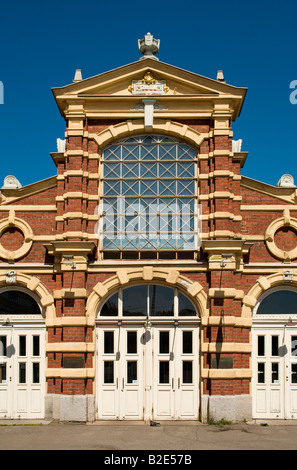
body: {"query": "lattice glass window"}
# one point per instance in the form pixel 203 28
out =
pixel 148 195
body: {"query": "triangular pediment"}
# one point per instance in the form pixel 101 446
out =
pixel 177 82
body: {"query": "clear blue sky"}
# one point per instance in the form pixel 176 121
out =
pixel 41 45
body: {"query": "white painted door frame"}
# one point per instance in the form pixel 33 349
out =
pixel 159 379
pixel 274 362
pixel 120 372
pixel 22 384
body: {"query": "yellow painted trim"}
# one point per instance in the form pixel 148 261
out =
pixel 30 208
pixel 13 195
pixel 218 320
pixel 262 285
pixel 70 293
pixel 226 348
pixel 285 221
pixel 226 373
pixel 136 126
pixel 27 232
pixel 69 373
pixel 168 276
pixel 227 292
pixel 70 347
pixel 34 284
pixel 288 195
pixel 69 321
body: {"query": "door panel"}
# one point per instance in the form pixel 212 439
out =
pixel 187 373
pixel 274 382
pixel 176 357
pixel 131 370
pixel 291 373
pixel 268 371
pixel 5 366
pixel 148 373
pixel 108 346
pixel 163 373
pixel 120 373
pixel 22 380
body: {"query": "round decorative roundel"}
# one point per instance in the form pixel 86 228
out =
pixel 16 238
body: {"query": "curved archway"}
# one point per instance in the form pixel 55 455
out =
pixel 17 301
pixel 277 301
pixel 128 128
pixel 169 277
pixel 261 286
pixel 149 319
pixel 33 286
pixel 148 300
pixel 24 304
pixel 272 306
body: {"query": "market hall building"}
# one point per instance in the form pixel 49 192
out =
pixel 148 279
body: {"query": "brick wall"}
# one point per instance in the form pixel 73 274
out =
pixel 48 223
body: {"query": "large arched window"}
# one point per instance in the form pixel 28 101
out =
pixel 15 302
pixel 149 195
pixel 278 301
pixel 152 300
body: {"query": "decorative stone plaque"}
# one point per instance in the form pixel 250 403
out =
pixel 11 277
pixel 222 362
pixel 73 362
pixel 10 182
pixel 148 86
pixel 286 181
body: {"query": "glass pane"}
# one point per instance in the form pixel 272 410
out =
pixel 164 372
pixel 261 345
pixel 187 342
pixel 294 373
pixel 132 372
pixel 293 345
pixel 2 373
pixel 16 302
pixel 148 168
pixel 110 308
pixel 35 372
pixel 185 306
pixel 274 345
pixel 187 372
pixel 108 342
pixel 132 342
pixel 3 342
pixel 261 372
pixel 283 302
pixel 164 342
pixel 22 344
pixel 108 372
pixel 36 342
pixel 135 301
pixel 161 301
pixel 22 372
pixel 274 373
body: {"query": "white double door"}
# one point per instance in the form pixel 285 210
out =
pixel 274 384
pixel 22 380
pixel 149 374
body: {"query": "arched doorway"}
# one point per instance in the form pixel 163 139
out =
pixel 148 355
pixel 22 355
pixel 274 383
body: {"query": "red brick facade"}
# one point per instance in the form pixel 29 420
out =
pixel 236 213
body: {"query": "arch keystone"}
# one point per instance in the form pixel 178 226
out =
pixel 147 273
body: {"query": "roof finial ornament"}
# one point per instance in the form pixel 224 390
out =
pixel 220 76
pixel 148 46
pixel 77 76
